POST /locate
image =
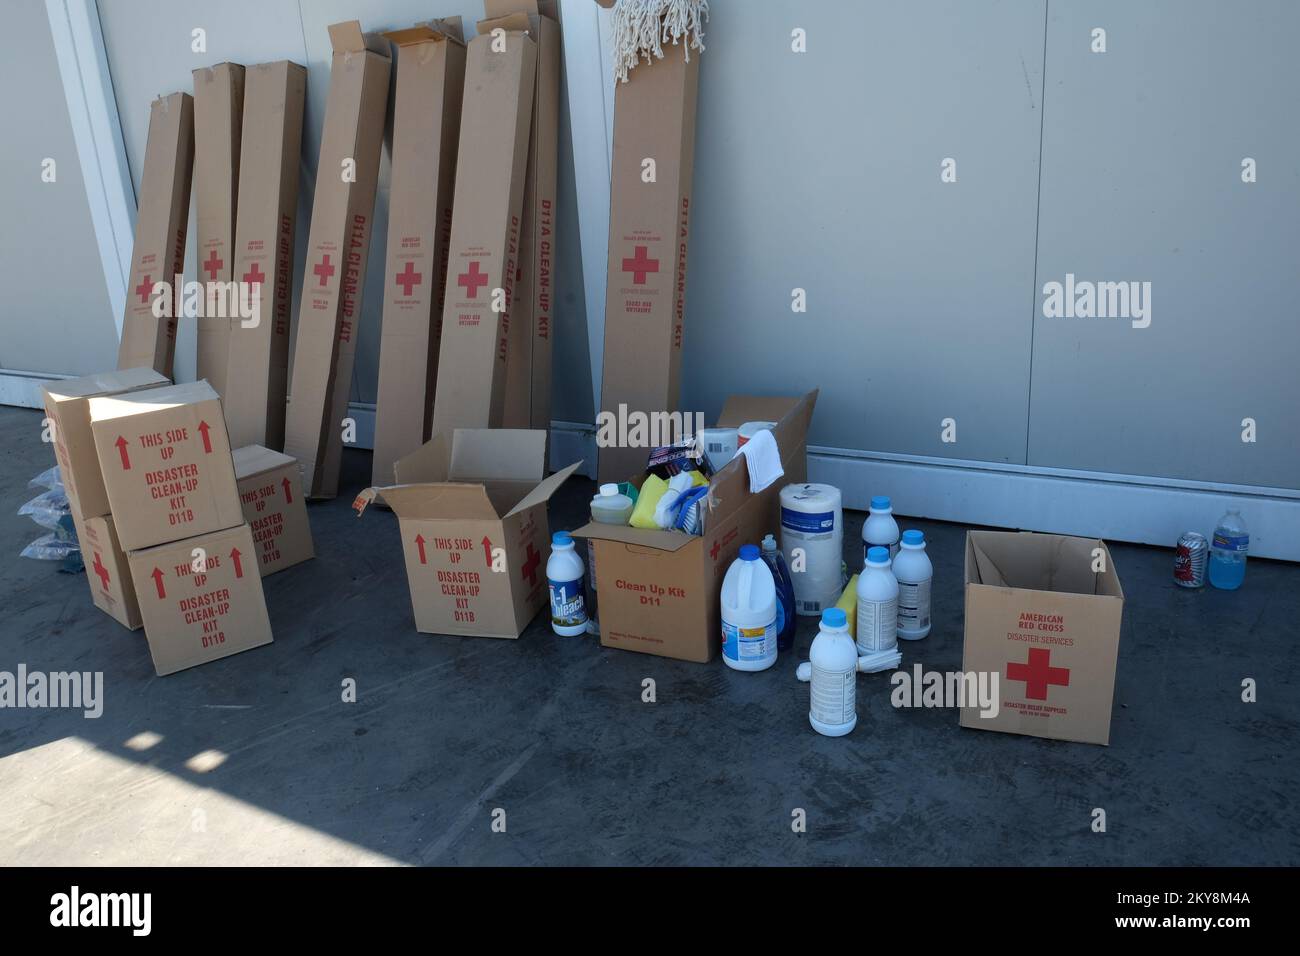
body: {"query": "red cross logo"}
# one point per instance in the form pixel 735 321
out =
pixel 145 288
pixel 1038 674
pixel 529 570
pixel 324 269
pixel 213 265
pixel 713 551
pixel 471 281
pixel 102 571
pixel 408 278
pixel 640 265
pixel 255 276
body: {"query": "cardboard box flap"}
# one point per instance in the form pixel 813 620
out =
pixel 105 383
pixel 254 460
pixel 435 31
pixel 511 23
pixel 495 9
pixel 151 399
pixel 637 537
pixel 497 454
pixel 348 37
pixel 543 491
pixel 432 500
pixel 1039 562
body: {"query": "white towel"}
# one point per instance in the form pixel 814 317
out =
pixel 763 459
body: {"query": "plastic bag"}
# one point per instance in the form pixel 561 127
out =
pixel 50 547
pixel 50 478
pixel 48 509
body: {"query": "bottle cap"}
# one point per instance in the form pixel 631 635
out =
pixel 913 537
pixel 881 503
pixel 769 543
pixel 561 539
pixel 608 490
pixel 749 552
pixel 834 617
pixel 878 556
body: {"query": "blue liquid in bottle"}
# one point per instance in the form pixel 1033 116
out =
pixel 1228 551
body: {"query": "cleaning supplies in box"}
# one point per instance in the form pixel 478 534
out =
pixel 609 506
pixel 812 539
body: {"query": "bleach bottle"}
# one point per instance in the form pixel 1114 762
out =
pixel 749 613
pixel 833 689
pixel 564 574
pixel 785 616
pixel 880 529
pixel 877 628
pixel 913 571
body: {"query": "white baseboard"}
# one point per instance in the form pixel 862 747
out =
pixel 24 388
pixel 1114 507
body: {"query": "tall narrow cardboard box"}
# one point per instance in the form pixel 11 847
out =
pixel 274 94
pixel 500 73
pixel 528 371
pixel 426 133
pixel 218 111
pixel 654 118
pixel 341 222
pixel 158 254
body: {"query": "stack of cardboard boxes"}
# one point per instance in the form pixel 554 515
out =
pixel 167 471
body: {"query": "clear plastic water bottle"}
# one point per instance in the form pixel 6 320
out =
pixel 1228 551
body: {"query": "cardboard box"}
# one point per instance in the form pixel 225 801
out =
pixel 218 120
pixel 67 406
pixel 201 599
pixel 475 535
pixel 341 222
pixel 654 117
pixel 158 254
pixel 426 132
pixel 496 119
pixel 660 592
pixel 1041 617
pixel 264 235
pixel 107 570
pixel 528 370
pixel 270 490
pixel 166 463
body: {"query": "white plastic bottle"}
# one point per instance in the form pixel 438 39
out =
pixel 564 574
pixel 832 706
pixel 1228 549
pixel 913 571
pixel 749 613
pixel 607 507
pixel 880 529
pixel 877 628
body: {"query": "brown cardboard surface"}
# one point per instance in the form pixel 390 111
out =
pixel 67 406
pixel 165 458
pixel 528 370
pixel 274 95
pixel 660 591
pixel 218 120
pixel 270 491
pixel 426 133
pixel 158 254
pixel 496 119
pixel 201 599
pixel 474 530
pixel 1045 622
pixel 654 117
pixel 337 252
pixel 107 570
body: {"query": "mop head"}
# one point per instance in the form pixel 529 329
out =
pixel 641 27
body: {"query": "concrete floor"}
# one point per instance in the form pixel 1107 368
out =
pixel 255 759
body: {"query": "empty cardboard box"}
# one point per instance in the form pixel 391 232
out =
pixel 158 253
pixel 660 591
pixel 166 463
pixel 471 513
pixel 258 368
pixel 201 599
pixel 270 490
pixel 1043 611
pixel 426 132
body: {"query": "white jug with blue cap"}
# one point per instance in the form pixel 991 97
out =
pixel 832 708
pixel 749 631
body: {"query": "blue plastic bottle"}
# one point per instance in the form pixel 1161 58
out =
pixel 1228 552
pixel 786 622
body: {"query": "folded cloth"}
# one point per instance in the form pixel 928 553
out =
pixel 763 459
pixel 643 515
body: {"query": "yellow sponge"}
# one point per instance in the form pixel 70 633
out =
pixel 643 515
pixel 848 603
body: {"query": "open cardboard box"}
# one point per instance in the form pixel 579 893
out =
pixel 659 592
pixel 475 535
pixel 1043 611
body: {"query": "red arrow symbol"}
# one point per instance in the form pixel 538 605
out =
pixel 121 450
pixel 288 495
pixel 239 568
pixel 419 543
pixel 207 442
pixel 487 551
pixel 158 582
